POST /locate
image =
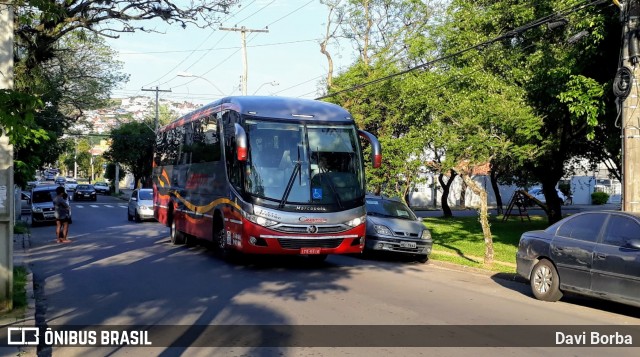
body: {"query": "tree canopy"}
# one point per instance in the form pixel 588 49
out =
pixel 132 146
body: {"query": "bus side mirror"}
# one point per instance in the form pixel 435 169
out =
pixel 241 143
pixel 376 149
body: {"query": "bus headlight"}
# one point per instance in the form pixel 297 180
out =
pixel 426 234
pixel 265 222
pixel 356 221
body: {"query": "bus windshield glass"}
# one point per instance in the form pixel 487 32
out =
pixel 304 163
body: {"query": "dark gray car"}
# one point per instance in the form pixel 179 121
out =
pixel 591 253
pixel 393 227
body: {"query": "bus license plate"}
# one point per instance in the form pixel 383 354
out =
pixel 408 245
pixel 309 250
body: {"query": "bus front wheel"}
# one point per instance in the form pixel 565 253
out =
pixel 176 236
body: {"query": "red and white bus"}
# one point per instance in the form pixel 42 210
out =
pixel 264 175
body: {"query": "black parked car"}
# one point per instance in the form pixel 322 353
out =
pixel 590 253
pixel 84 192
pixel 393 227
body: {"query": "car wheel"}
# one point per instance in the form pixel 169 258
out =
pixel 545 282
pixel 137 217
pixel 95 199
pixel 129 217
pixel 176 236
pixel 422 258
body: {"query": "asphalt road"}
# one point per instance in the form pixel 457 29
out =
pixel 117 272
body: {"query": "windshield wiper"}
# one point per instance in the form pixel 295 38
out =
pixel 292 178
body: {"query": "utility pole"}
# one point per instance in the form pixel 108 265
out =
pixel 630 111
pixel 157 91
pixel 243 32
pixel 7 200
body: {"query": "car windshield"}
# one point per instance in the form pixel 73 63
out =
pixel 146 195
pixel 100 184
pixel 43 196
pixel 84 187
pixel 72 181
pixel 389 208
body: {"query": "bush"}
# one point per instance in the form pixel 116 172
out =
pixel 599 198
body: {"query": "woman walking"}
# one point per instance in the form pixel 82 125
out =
pixel 62 214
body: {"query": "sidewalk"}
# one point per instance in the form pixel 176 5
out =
pixel 21 244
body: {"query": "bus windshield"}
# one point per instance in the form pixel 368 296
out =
pixel 304 163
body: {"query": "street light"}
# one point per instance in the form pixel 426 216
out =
pixel 191 75
pixel 272 83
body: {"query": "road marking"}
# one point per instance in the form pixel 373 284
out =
pixel 99 205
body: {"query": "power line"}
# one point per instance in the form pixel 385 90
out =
pixel 201 43
pixel 220 48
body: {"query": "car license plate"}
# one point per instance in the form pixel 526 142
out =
pixel 309 250
pixel 408 245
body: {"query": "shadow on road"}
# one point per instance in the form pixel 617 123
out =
pixel 521 285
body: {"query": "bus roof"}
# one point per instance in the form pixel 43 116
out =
pixel 295 109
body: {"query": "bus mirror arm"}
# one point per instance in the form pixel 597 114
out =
pixel 241 143
pixel 376 149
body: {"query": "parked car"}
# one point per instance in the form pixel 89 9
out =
pixel 60 181
pixel 593 253
pixel 102 187
pixel 84 192
pixel 70 184
pixel 537 193
pixel 140 205
pixel 393 227
pixel 42 210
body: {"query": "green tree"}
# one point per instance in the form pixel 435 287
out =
pixel 54 44
pixel 132 146
pixel 565 81
pixel 400 169
pixel 80 77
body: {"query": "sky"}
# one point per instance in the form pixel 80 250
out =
pixel 285 61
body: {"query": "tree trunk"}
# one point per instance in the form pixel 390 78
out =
pixel 484 218
pixel 496 190
pixel 463 195
pixel 446 210
pixel 553 202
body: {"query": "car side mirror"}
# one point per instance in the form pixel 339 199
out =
pixel 633 243
pixel 133 199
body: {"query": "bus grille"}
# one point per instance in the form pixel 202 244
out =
pixel 303 229
pixel 292 243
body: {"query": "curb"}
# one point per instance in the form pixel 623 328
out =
pixel 490 273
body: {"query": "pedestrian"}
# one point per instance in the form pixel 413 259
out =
pixel 62 214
